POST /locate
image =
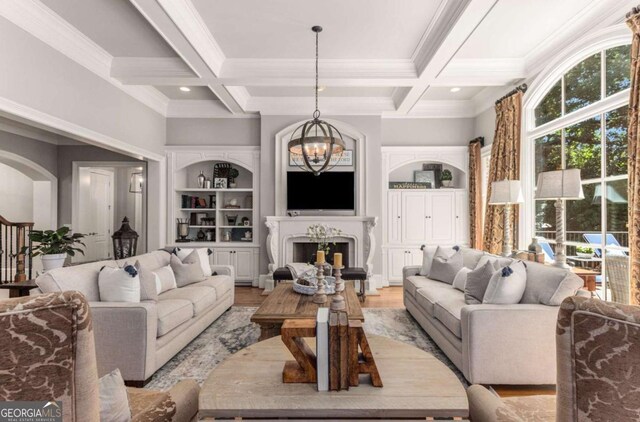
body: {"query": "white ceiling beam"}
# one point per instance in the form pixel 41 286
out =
pixel 329 105
pixel 199 109
pixel 481 72
pixel 462 17
pixel 165 26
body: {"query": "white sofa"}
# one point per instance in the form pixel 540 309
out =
pixel 138 338
pixel 493 344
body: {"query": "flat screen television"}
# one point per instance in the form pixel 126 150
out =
pixel 334 190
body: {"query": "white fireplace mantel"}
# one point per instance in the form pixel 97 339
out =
pixel 285 231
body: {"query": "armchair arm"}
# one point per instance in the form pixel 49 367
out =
pixel 483 404
pixel 125 336
pixel 185 395
pixel 410 271
pixel 224 270
pixel 509 344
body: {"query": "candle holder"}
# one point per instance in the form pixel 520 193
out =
pixel 337 302
pixel 320 296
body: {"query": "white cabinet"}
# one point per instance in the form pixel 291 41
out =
pixel 398 258
pixel 415 227
pixel 441 218
pixel 462 218
pixel 394 213
pixel 243 260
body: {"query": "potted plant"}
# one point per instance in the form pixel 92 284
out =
pixel 55 246
pixel 584 251
pixel 233 173
pixel 446 178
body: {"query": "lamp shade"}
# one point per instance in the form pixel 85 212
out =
pixel 559 184
pixel 506 192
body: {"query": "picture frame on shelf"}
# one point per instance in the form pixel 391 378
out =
pixel 425 176
pixel 220 183
pixel 437 168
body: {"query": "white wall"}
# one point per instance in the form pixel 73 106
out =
pixel 427 132
pixel 16 195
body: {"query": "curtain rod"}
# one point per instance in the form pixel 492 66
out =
pixel 520 88
pixel 633 11
pixel 479 139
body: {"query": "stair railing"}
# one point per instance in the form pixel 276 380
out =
pixel 15 265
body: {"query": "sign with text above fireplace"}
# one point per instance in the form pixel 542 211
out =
pixel 346 159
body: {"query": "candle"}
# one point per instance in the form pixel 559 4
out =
pixel 337 260
pixel 320 257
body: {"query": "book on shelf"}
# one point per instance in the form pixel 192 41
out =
pixel 322 348
pixel 188 201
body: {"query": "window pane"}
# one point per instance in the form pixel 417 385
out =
pixel 546 219
pixel 618 65
pixel 583 216
pixel 548 153
pixel 583 147
pixel 616 125
pixel 617 216
pixel 549 108
pixel 582 84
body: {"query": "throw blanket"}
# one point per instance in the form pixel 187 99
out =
pixel 301 270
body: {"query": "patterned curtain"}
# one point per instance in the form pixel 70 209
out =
pixel 634 158
pixel 505 165
pixel 475 193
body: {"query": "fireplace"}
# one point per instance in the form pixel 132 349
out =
pixel 306 252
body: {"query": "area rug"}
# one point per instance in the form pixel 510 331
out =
pixel 233 331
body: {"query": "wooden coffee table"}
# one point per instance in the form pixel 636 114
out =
pixel 283 303
pixel 416 385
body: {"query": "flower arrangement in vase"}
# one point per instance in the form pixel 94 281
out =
pixel 321 234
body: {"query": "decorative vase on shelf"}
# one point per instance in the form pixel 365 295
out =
pixel 201 180
pixel 201 235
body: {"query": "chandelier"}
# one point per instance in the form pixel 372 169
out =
pixel 314 143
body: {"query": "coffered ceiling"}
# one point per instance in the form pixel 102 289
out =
pixel 248 57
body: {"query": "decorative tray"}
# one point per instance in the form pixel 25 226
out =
pixel 312 287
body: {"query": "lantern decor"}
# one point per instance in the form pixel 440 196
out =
pixel 316 141
pixel 125 241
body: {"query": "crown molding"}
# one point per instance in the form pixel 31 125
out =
pixel 44 24
pixel 75 131
pixel 201 109
pixel 329 106
pixel 32 132
pixel 186 17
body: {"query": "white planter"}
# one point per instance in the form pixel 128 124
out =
pixel 49 262
pixel 447 183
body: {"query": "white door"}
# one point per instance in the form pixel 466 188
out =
pixel 441 218
pixel 394 215
pixel 95 207
pixel 414 217
pixel 222 256
pixel 414 257
pixel 244 264
pixel 396 260
pixel 462 218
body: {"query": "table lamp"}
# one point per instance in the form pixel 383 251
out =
pixel 506 192
pixel 559 185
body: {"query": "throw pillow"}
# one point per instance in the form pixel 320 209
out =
pixel 149 283
pixel 167 278
pixel 203 253
pixel 507 285
pixel 427 258
pixel 460 279
pixel 471 257
pixel 114 402
pixel 500 260
pixel 119 284
pixel 189 271
pixel 445 267
pixel 477 282
pixel 569 285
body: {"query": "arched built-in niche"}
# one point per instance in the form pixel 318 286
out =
pixel 282 155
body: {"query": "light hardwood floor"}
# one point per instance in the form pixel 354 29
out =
pixel 390 297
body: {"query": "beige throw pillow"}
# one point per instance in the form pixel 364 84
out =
pixel 167 279
pixel 507 285
pixel 114 402
pixel 188 271
pixel 148 283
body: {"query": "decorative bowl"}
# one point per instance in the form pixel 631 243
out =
pixel 311 289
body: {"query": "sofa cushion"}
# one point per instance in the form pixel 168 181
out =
pixel 549 285
pixel 223 284
pixel 415 282
pixel 449 311
pixel 82 278
pixel 151 260
pixel 428 252
pixel 446 265
pixel 428 296
pixel 171 313
pixel 202 298
pixel 470 257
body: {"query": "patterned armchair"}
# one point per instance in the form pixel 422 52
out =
pixel 598 356
pixel 47 352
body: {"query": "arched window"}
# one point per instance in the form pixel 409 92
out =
pixel 581 122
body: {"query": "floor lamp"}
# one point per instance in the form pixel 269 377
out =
pixel 506 192
pixel 559 185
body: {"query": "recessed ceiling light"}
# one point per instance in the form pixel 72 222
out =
pixel 321 88
pixel 455 89
pixel 185 89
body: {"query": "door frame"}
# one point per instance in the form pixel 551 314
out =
pixel 108 172
pixel 75 187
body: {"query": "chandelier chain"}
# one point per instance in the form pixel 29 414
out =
pixel 317 110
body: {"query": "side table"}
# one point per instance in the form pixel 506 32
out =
pixel 19 289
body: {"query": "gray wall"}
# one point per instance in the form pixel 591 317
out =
pixel 238 131
pixel 485 125
pixel 39 152
pixel 427 132
pixel 71 92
